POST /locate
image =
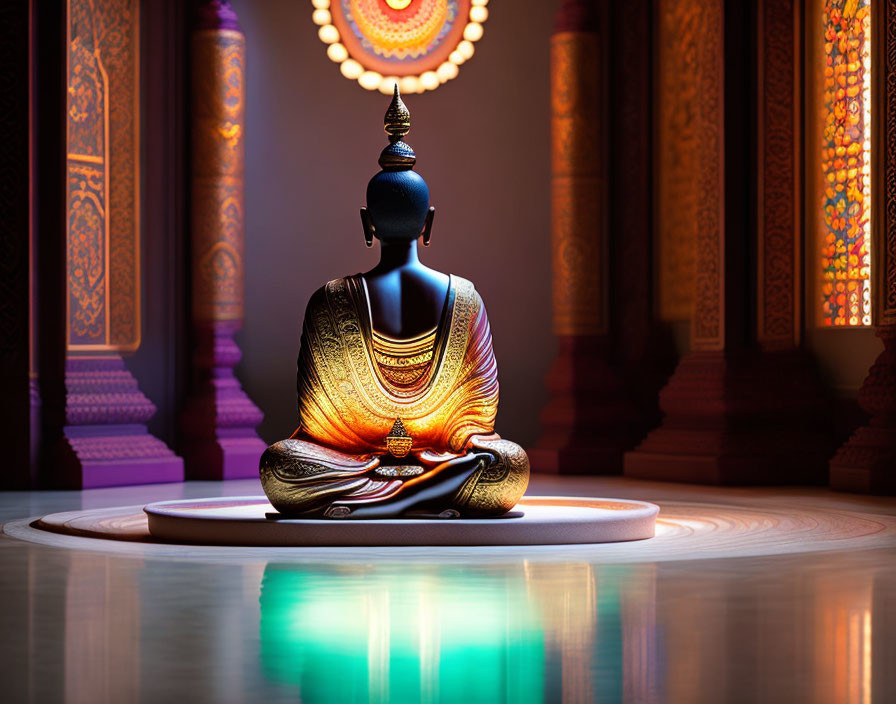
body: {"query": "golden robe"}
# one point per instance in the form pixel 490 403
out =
pixel 355 385
pixel 348 403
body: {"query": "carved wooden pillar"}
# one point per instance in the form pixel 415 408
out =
pixel 643 351
pixel 744 406
pixel 867 462
pixel 219 421
pixel 790 382
pixel 105 437
pixel 589 419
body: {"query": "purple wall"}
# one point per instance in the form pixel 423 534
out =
pixel 482 143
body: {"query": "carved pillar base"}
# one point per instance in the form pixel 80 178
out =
pixel 867 462
pixel 753 419
pixel 105 440
pixel 219 420
pixel 589 420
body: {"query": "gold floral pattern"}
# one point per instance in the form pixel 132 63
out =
pixel 102 206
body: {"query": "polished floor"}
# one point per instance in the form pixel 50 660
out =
pixel 745 595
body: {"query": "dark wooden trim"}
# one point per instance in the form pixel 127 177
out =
pixel 15 244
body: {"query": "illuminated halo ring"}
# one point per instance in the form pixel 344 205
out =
pixel 417 43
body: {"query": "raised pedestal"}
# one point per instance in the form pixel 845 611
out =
pixel 105 441
pixel 536 520
pixel 754 419
pixel 867 462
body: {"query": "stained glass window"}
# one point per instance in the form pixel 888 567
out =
pixel 845 223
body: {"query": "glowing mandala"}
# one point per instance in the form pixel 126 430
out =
pixel 417 43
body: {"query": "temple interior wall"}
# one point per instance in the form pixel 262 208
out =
pixel 312 143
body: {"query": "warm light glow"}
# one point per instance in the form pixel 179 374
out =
pixel 370 80
pixel 429 80
pixel 387 84
pixel 328 34
pixel 473 32
pixel 409 84
pixel 478 14
pixel 391 47
pixel 337 52
pixel 351 69
pixel 466 49
pixel 447 71
pixel 845 227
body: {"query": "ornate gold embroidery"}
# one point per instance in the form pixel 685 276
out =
pixel 343 399
pixel 403 365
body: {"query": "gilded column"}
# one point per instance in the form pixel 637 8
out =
pixel 219 421
pixel 744 405
pixel 578 172
pixel 867 462
pixel 789 377
pixel 588 421
pixel 105 435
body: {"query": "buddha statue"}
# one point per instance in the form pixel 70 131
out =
pixel 397 380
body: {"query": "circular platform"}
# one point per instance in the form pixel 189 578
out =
pixel 536 520
pixel 711 523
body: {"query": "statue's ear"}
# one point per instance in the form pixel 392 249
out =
pixel 427 228
pixel 367 224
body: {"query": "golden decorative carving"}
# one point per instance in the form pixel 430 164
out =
pixel 103 184
pixel 885 192
pixel 680 31
pixel 779 305
pixel 708 324
pixel 689 147
pixel 218 162
pixel 577 219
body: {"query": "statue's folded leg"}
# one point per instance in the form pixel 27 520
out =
pixel 431 492
pixel 488 480
pixel 302 477
pixel 299 476
pixel 501 484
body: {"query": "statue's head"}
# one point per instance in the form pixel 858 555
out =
pixel 397 197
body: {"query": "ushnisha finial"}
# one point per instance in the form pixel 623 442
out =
pixel 398 156
pixel 397 122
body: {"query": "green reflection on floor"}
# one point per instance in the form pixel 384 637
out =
pixel 380 635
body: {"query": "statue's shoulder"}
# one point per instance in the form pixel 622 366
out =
pixel 323 296
pixel 465 290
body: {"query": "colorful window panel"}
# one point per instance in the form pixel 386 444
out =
pixel 846 164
